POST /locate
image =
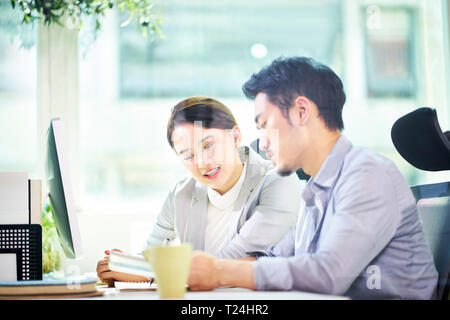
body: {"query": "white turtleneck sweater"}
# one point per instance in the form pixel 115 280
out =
pixel 220 207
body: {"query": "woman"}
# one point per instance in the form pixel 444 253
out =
pixel 232 203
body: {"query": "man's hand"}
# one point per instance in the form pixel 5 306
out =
pixel 203 275
pixel 208 273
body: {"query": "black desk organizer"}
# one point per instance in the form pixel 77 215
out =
pixel 25 240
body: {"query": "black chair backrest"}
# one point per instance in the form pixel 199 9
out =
pixel 419 139
pixel 300 173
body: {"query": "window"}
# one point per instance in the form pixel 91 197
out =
pixel 396 63
pixel 390 51
pixel 213 47
pixel 19 143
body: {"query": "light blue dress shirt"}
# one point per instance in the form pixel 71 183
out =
pixel 358 234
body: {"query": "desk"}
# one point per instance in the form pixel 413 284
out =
pixel 228 294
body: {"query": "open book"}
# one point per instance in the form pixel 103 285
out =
pixel 132 264
pixel 127 263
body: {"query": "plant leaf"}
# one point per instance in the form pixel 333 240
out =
pixel 130 18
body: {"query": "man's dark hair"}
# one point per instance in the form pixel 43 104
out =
pixel 287 78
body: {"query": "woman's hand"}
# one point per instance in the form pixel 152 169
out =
pixel 108 276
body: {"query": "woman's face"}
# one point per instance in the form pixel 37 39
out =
pixel 209 154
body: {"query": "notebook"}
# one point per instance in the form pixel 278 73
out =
pixel 135 286
pixel 49 288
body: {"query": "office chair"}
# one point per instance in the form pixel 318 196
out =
pixel 419 139
pixel 255 146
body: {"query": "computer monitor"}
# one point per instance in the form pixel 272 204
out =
pixel 60 191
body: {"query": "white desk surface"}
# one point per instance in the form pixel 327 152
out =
pixel 217 294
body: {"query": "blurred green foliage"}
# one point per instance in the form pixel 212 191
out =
pixel 52 253
pixel 11 27
pixel 76 11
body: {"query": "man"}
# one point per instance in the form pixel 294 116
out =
pixel 358 232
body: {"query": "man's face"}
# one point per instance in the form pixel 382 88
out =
pixel 278 136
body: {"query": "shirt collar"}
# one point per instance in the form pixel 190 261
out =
pixel 329 171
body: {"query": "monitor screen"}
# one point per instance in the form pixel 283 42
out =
pixel 60 191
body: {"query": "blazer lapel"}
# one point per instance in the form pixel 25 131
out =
pixel 238 216
pixel 254 171
pixel 192 217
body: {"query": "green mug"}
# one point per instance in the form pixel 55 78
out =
pixel 171 266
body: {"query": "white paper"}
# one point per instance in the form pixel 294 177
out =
pixel 8 267
pixel 14 198
pixel 134 285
